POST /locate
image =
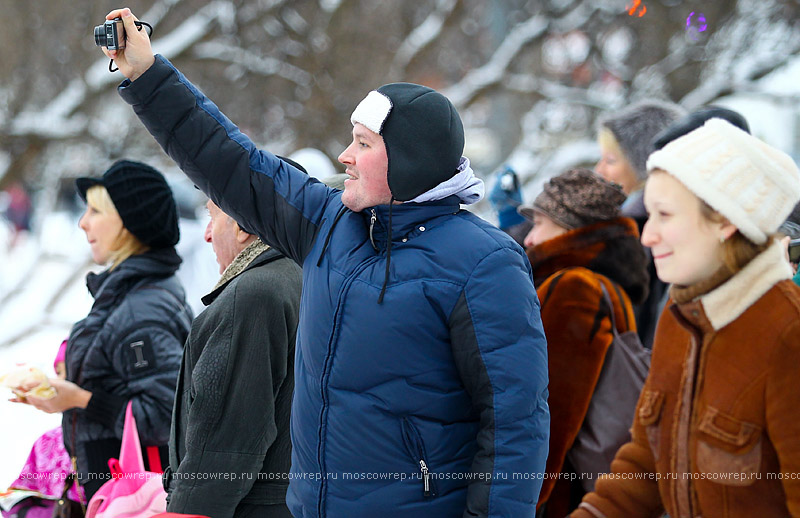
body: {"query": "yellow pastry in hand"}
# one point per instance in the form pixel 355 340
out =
pixel 26 377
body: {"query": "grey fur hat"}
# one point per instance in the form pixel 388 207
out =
pixel 636 126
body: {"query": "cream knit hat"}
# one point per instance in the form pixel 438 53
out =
pixel 752 184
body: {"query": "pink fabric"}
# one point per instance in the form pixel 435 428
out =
pixel 33 512
pixel 132 492
pixel 130 453
pixel 61 354
pixel 47 467
pixel 143 502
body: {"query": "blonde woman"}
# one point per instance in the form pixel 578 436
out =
pixel 626 140
pixel 715 432
pixel 129 347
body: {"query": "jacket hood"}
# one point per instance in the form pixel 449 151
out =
pixel 468 187
pixel 609 248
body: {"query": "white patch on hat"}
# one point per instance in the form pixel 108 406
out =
pixel 372 111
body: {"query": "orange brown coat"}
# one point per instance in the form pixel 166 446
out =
pixel 568 271
pixel 716 432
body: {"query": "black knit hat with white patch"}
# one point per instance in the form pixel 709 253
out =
pixel 422 132
pixel 143 200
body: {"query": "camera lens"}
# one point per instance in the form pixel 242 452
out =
pixel 100 36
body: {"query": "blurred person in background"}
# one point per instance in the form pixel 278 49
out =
pixel 694 120
pixel 506 199
pixel 47 467
pixel 715 430
pixel 790 230
pixel 626 139
pixel 579 244
pixel 18 211
pixel 129 346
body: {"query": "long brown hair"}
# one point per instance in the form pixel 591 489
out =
pixel 737 250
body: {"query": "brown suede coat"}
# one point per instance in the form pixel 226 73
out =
pixel 567 272
pixel 717 430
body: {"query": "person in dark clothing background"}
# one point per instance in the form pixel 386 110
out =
pixel 234 393
pixel 129 346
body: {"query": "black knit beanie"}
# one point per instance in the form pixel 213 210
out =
pixel 143 200
pixel 422 132
pixel 696 119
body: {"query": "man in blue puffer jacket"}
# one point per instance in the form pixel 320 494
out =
pixel 421 368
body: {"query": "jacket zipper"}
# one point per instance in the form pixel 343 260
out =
pixel 326 374
pixel 425 478
pixel 372 219
pixel 417 450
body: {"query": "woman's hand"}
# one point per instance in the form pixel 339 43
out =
pixel 68 395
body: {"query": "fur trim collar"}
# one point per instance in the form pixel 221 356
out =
pixel 610 248
pixel 726 303
pixel 241 262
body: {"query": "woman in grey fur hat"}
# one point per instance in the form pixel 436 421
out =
pixel 626 140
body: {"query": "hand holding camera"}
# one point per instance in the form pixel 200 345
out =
pixel 122 39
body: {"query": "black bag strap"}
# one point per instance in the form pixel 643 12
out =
pixel 622 301
pixel 552 286
pixel 610 305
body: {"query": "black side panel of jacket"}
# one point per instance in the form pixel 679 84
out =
pixel 473 373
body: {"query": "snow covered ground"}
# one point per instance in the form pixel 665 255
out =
pixel 42 293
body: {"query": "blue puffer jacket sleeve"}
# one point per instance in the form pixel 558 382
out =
pixel 277 202
pixel 502 360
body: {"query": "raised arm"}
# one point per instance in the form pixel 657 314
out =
pixel 264 194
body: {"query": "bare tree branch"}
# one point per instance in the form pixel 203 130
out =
pixel 422 36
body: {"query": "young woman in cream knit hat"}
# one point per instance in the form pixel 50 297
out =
pixel 715 432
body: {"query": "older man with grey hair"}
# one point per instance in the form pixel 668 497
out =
pixel 229 445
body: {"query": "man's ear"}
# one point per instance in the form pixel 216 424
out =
pixel 241 236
